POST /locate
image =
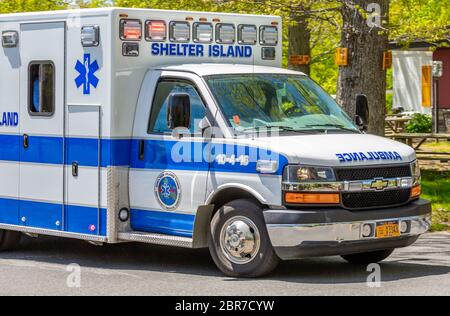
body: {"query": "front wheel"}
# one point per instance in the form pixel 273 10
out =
pixel 239 242
pixel 369 257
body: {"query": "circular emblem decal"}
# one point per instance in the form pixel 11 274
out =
pixel 167 190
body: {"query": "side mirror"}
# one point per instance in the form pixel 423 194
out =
pixel 204 124
pixel 179 111
pixel 362 112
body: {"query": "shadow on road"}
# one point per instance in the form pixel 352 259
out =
pixel 141 257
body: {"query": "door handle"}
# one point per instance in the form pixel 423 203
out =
pixel 26 143
pixel 75 169
pixel 142 149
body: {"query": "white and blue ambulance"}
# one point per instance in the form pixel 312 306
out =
pixel 182 129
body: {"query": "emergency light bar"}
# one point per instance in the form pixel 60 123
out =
pixel 247 34
pixel 225 33
pixel 10 39
pixel 269 35
pixel 180 32
pixel 130 30
pixel 155 31
pixel 90 36
pixel 203 32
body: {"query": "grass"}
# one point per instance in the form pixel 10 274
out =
pixel 436 188
pixel 441 147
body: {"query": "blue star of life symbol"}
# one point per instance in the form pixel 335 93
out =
pixel 165 190
pixel 87 77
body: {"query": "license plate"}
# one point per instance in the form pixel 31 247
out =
pixel 388 230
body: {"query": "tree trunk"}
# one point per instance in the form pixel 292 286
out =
pixel 364 73
pixel 299 41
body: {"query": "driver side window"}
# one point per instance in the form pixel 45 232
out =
pixel 158 117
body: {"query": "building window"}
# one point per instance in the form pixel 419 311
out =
pixel 41 81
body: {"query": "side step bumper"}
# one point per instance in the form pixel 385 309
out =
pixel 156 239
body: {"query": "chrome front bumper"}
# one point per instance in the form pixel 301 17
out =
pixel 309 233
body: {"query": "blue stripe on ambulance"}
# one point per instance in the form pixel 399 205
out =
pixel 113 152
pixel 78 219
pixel 116 152
pixel 9 147
pixel 174 224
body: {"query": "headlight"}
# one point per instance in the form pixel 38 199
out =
pixel 296 174
pixel 415 169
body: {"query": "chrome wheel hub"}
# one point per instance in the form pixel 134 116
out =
pixel 240 240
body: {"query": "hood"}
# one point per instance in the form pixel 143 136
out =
pixel 338 149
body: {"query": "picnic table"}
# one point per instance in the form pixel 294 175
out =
pixel 397 123
pixel 434 156
pixel 409 138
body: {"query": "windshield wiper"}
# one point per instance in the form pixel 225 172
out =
pixel 336 126
pixel 280 127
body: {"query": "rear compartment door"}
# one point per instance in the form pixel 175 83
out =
pixel 82 214
pixel 42 81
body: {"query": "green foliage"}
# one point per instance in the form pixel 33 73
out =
pixel 389 103
pixel 190 5
pixel 420 123
pixel 436 188
pixel 408 20
pixel 419 19
pixel 11 6
pixel 92 3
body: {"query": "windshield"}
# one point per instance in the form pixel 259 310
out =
pixel 291 103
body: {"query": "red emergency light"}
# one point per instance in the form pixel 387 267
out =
pixel 156 31
pixel 131 30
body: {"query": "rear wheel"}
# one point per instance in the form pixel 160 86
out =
pixel 9 239
pixel 239 242
pixel 369 257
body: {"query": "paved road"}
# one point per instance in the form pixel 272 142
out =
pixel 39 267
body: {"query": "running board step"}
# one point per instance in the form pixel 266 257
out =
pixel 156 239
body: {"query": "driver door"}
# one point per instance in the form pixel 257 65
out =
pixel 168 178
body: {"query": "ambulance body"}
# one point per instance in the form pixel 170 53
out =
pixel 181 129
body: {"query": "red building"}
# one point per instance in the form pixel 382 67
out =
pixel 443 97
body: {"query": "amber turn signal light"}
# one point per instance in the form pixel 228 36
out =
pixel 312 198
pixel 416 191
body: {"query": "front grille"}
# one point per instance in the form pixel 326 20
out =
pixel 364 200
pixel 368 173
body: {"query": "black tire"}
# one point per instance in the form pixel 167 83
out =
pixel 9 240
pixel 265 259
pixel 368 257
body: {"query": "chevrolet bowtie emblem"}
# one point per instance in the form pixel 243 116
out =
pixel 379 184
